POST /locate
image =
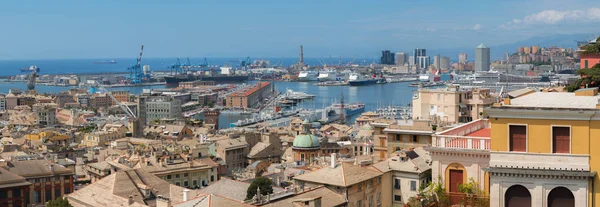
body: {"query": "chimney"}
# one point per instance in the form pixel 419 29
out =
pixel 162 201
pixel 185 194
pixel 130 200
pixel 332 160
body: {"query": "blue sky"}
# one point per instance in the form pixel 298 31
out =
pixel 260 28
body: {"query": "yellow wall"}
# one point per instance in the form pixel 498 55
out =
pixel 539 134
pixel 595 160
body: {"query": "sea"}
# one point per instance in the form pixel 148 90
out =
pixel 373 96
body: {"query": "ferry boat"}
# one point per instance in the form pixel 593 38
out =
pixel 328 75
pixel 308 75
pixel 31 68
pixel 364 82
pixel 105 62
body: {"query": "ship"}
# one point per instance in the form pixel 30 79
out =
pixel 105 62
pixel 308 75
pixel 328 75
pixel 218 79
pixel 350 109
pixel 31 68
pixel 356 80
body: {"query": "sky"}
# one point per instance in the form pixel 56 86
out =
pixel 75 29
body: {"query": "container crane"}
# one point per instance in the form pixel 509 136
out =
pixel 136 74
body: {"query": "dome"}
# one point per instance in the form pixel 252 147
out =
pixel 306 141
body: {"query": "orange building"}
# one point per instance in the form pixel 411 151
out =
pixel 249 97
pixel 589 60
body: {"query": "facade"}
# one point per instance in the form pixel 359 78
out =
pixel 589 60
pixel 183 171
pixel 103 138
pixel 234 153
pixel 63 99
pixel 121 96
pixel 404 174
pixel 361 186
pixel 2 102
pixel 450 105
pixel 418 53
pixel 193 84
pixel 482 58
pixel 83 99
pixel 401 58
pixel 12 189
pixel 445 62
pixel 533 133
pixel 436 62
pixel 250 97
pixel 98 101
pixel 48 181
pixel 462 58
pixel 387 58
pixel 162 107
pixel 423 62
pixel 46 113
pixel 460 154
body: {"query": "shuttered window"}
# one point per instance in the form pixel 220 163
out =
pixel 518 138
pixel 561 140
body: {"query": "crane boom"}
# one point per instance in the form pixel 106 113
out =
pixel 139 60
pixel 124 107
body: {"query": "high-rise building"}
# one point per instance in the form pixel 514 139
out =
pixel 527 50
pixel 436 61
pixel 411 60
pixel 387 58
pixel 462 58
pixel 401 58
pixel 445 62
pixel 535 49
pixel 418 53
pixel 423 62
pixel 482 58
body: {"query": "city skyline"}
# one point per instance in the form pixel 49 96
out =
pixel 46 30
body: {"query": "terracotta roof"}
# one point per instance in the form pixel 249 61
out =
pixel 342 175
pixel 211 200
pixel 251 90
pixel 328 198
pixel 8 179
pixel 228 188
pixel 30 168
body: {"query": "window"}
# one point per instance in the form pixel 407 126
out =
pixel 57 193
pixel 371 201
pixel 185 183
pixel 379 199
pixel 397 137
pixel 397 198
pixel 518 138
pixel 359 186
pixel 3 194
pixel 16 193
pixel 177 183
pixel 414 138
pixel 378 180
pixel 413 185
pixel 67 190
pixel 177 175
pixel 561 140
pixel 37 196
pixel 212 178
pixel 359 203
pixel 48 195
pixel 397 184
pixel 370 183
pixel 586 63
pixel 168 176
pixel 185 174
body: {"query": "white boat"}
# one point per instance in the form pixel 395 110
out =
pixel 328 75
pixel 308 75
pixel 353 76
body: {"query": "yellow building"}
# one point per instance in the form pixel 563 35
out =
pixel 390 136
pixel 542 150
pixel 46 136
pixel 103 138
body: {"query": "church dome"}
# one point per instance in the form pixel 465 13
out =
pixel 303 141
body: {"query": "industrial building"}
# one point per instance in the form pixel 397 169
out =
pixel 249 97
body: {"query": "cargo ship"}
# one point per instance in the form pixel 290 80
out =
pixel 218 79
pixel 31 68
pixel 350 109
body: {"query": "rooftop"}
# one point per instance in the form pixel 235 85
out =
pixel 211 200
pixel 232 189
pixel 328 198
pixel 343 175
pixel 30 168
pixel 555 100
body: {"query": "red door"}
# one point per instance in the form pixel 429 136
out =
pixel 456 178
pixel 561 140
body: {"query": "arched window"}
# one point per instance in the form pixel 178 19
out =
pixel 517 196
pixel 561 196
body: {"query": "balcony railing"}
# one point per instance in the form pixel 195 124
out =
pixel 462 142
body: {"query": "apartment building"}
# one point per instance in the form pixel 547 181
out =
pixel 450 105
pixel 120 95
pixel 100 100
pixel 46 113
pixel 12 189
pixel 234 153
pixel 249 97
pixel 109 133
pixel 542 151
pixel 391 136
pixel 182 170
pixel 162 107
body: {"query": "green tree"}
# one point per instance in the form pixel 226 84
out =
pixel 475 196
pixel 263 183
pixel 590 77
pixel 59 202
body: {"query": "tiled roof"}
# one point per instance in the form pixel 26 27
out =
pixel 328 198
pixel 211 200
pixel 228 188
pixel 251 90
pixel 8 179
pixel 29 168
pixel 343 175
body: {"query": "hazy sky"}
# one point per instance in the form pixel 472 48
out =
pixel 203 28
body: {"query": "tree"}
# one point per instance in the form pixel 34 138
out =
pixel 59 202
pixel 475 196
pixel 590 77
pixel 263 183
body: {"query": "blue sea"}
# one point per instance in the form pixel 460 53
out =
pixel 74 66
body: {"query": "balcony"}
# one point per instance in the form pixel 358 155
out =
pixel 472 135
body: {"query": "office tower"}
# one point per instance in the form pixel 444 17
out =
pixel 387 58
pixel 445 62
pixel 401 58
pixel 462 58
pixel 423 62
pixel 418 53
pixel 411 60
pixel 482 58
pixel 436 61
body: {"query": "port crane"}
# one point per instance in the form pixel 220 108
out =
pixel 178 68
pixel 136 75
pixel 132 117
